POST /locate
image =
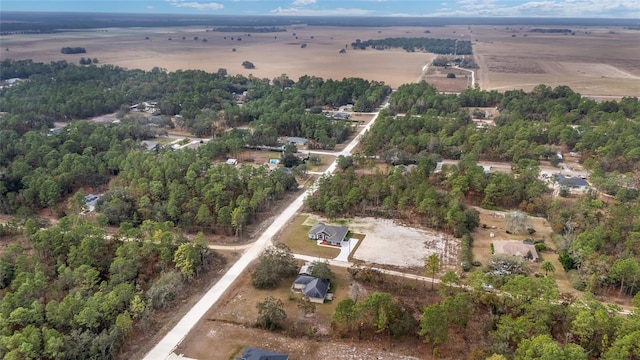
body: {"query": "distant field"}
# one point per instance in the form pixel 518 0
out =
pixel 594 61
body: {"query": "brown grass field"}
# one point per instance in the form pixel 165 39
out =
pixel 604 62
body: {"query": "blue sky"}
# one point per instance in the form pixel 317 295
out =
pixel 467 8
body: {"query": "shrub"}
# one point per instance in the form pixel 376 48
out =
pixel 451 76
pixel 165 289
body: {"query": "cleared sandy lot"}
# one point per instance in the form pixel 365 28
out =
pixel 390 243
pixel 594 61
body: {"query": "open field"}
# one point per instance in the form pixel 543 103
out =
pixel 594 61
pixel 598 63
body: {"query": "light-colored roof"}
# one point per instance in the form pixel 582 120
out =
pixel 515 248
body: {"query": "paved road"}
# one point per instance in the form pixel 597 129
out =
pixel 174 337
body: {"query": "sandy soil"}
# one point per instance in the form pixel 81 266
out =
pixel 600 63
pixel 437 76
pixel 390 243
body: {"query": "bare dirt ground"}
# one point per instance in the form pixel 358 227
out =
pixel 389 243
pixel 603 62
pixel 437 76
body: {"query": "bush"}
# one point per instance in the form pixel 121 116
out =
pixel 165 289
pixel 451 76
pixel 248 65
pixel 465 266
pixel 540 247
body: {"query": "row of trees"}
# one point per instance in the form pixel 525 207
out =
pixel 73 50
pixel 432 45
pixel 80 294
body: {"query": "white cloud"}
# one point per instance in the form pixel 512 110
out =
pixel 320 12
pixel 304 2
pixel 196 5
pixel 151 7
pixel 542 8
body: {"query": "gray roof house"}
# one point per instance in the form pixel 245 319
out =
pixel 572 182
pixel 250 353
pixel 314 288
pixel 334 235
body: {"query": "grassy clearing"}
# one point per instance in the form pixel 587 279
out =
pixel 325 161
pixel 296 237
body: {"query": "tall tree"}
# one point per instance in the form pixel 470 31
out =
pixel 271 314
pixel 432 266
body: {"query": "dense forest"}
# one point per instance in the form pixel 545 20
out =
pixel 40 168
pixel 432 45
pixel 533 322
pixel 78 294
pixel 184 188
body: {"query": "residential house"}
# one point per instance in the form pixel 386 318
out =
pixel 294 140
pixel 333 235
pixel 572 183
pixel 315 289
pixel 515 248
pixel 251 353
